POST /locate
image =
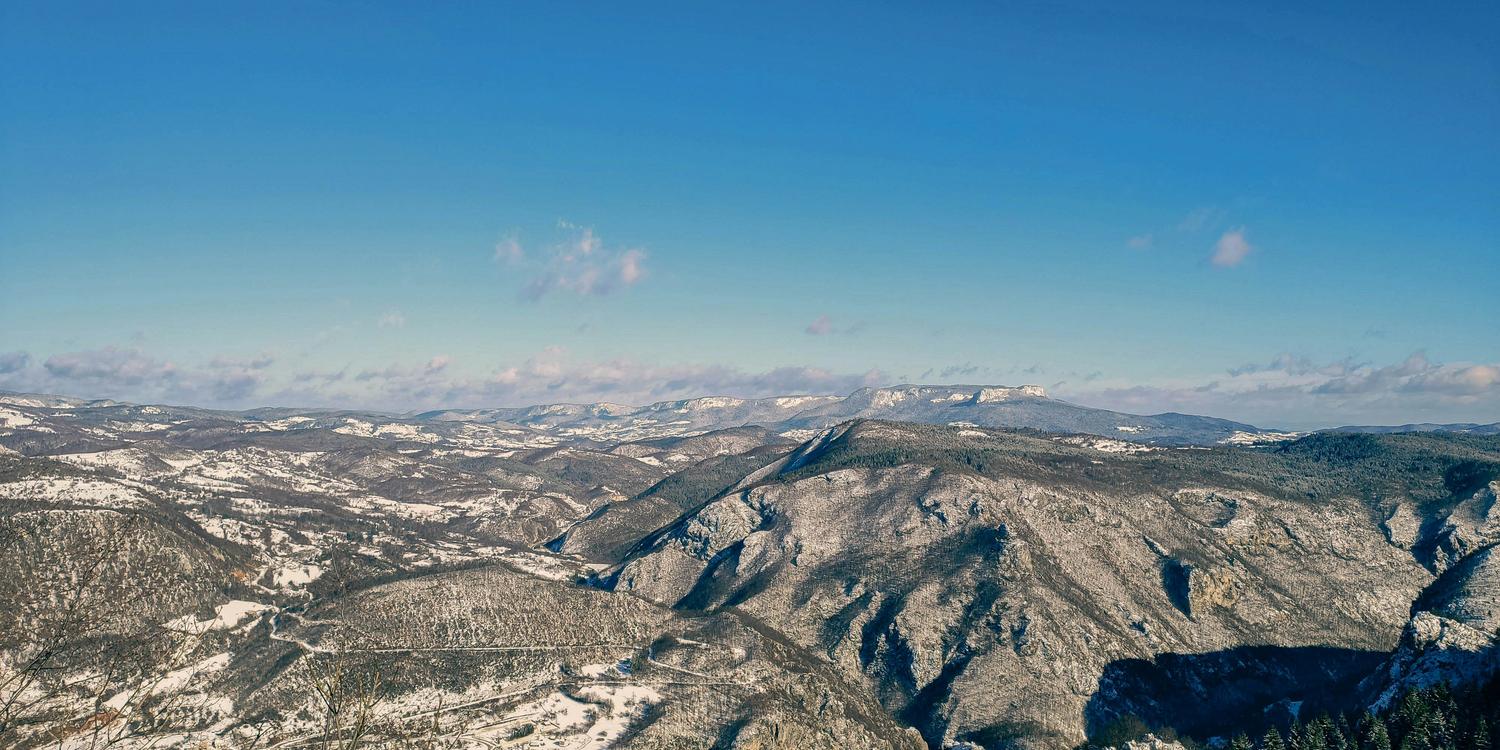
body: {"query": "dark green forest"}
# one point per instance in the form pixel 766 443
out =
pixel 1433 718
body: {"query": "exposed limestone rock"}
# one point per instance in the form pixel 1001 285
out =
pixel 1207 588
pixel 991 395
pixel 1454 637
pixel 1403 527
pixel 1474 523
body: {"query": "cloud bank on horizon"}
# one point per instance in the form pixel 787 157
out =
pixel 1287 391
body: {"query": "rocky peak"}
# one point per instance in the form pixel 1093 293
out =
pixel 992 395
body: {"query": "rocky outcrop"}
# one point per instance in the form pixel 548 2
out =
pixel 1453 635
pixel 1152 742
pixel 1403 527
pixel 991 395
pixel 1472 524
pixel 1197 589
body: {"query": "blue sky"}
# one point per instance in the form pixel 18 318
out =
pixel 1282 214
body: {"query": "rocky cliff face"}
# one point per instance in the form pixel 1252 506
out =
pixel 1471 525
pixel 994 587
pixel 1453 635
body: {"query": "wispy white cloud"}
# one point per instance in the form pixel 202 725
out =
pixel 109 365
pixel 1199 219
pixel 1287 390
pixel 824 325
pixel 128 373
pixel 1232 248
pixel 551 375
pixel 509 250
pixel 391 319
pixel 328 334
pixel 1296 391
pixel 1194 222
pixel 1294 364
pixel 580 264
pixel 632 266
pixel 13 361
pixel 228 379
pixel 971 373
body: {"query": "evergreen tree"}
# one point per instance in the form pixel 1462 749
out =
pixel 1332 737
pixel 1272 740
pixel 1346 733
pixel 1437 729
pixel 1416 739
pixel 1443 700
pixel 1313 736
pixel 1412 714
pixel 1433 718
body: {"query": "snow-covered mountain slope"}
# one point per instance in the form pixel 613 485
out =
pixel 1468 427
pixel 591 577
pixel 175 577
pixel 47 425
pixel 798 416
pixel 993 585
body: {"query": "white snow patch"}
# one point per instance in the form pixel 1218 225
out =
pixel 792 402
pixel 1255 438
pixel 886 398
pixel 294 576
pixel 711 402
pixel 74 490
pixel 128 460
pixel 1106 445
pixel 137 426
pixel 12 418
pixel 227 616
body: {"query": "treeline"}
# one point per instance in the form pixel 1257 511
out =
pixel 1433 718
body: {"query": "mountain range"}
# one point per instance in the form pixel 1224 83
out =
pixel 908 567
pixel 1026 407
